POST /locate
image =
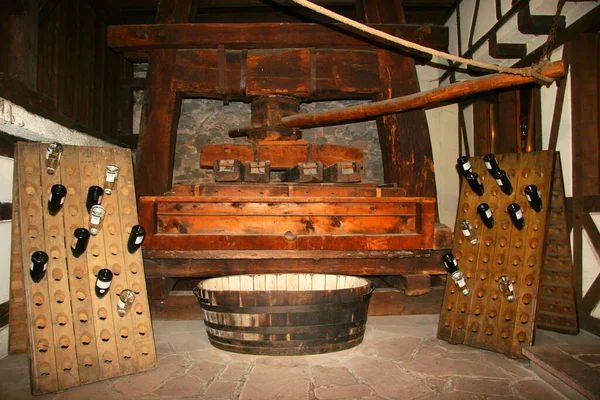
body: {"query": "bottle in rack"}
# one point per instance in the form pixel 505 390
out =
pixel 81 238
pixel 456 275
pixel 491 163
pixel 485 213
pixel 468 231
pixel 533 197
pixel 506 287
pixel 503 182
pixel 136 237
pixel 516 215
pixel 96 218
pixel 94 197
pixel 464 165
pixel 39 265
pixel 112 173
pixel 103 281
pixel 126 299
pixel 57 198
pixel 53 155
pixel 474 182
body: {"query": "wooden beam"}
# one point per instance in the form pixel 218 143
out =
pixel 402 136
pixel 313 75
pixel 401 104
pixel 264 36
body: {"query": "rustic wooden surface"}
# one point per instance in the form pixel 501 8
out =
pixel 283 155
pixel 17 339
pixel 484 318
pixel 403 136
pixel 262 36
pixel 74 337
pixel 557 307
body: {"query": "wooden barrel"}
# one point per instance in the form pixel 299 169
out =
pixel 285 314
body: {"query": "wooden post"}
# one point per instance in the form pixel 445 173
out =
pixel 405 144
pixel 160 114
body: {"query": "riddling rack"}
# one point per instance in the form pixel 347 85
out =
pixel 485 318
pixel 74 337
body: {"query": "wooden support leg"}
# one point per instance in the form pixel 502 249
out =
pixel 417 285
pixel 159 288
pixel 404 138
pixel 158 130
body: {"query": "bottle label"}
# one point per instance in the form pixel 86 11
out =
pixel 110 177
pixel 102 284
pixel 48 152
pixel 519 214
pixel 488 213
pixel 31 267
pixel 499 182
pixel 488 165
pixel 528 197
pixel 74 243
pixel 461 282
pixel 50 198
pixel 95 220
pixel 467 166
pixel 510 287
pixel 62 200
pixel 102 291
pixel 120 304
pixel 99 199
pixel 139 239
pixel 454 261
pixel 466 232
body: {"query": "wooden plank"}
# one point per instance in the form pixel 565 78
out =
pixel 190 264
pixel 262 36
pixel 17 339
pixel 288 208
pixel 281 156
pixel 41 345
pixel 158 129
pixel 263 72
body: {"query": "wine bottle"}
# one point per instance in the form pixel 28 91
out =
pixel 533 197
pixel 39 265
pixel 485 213
pixel 53 155
pixel 103 282
pixel 464 165
pixel 96 218
pixel 503 182
pixel 516 215
pixel 94 197
pixel 136 237
pixel 456 275
pixel 474 182
pixel 491 163
pixel 468 231
pixel 56 199
pixel 81 238
pixel 112 173
pixel 506 287
pixel 126 299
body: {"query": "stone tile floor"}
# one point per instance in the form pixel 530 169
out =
pixel 400 358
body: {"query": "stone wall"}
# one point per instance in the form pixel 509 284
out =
pixel 208 121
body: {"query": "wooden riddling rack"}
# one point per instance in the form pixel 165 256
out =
pixel 537 259
pixel 74 337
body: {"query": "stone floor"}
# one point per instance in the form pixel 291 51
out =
pixel 400 358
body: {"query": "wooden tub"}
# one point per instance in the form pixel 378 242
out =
pixel 285 314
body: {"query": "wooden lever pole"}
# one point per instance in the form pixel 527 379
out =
pixel 553 70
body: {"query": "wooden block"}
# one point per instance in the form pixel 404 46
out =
pixel 417 284
pixel 310 172
pixel 343 172
pixel 257 171
pixel 227 170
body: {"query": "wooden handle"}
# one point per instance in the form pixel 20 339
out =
pixel 363 112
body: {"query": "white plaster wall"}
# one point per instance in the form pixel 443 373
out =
pixel 17 121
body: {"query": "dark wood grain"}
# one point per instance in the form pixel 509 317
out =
pixel 263 36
